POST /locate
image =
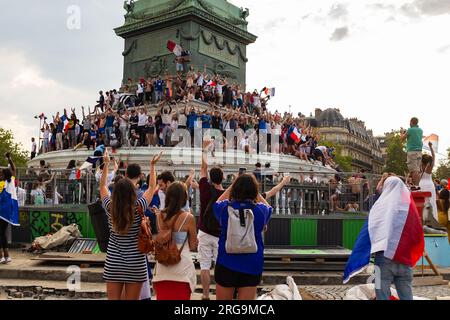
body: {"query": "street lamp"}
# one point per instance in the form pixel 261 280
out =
pixel 41 118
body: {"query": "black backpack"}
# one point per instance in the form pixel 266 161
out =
pixel 210 223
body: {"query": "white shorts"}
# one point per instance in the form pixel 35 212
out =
pixel 207 250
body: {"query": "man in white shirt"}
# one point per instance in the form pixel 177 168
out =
pixel 311 178
pixel 142 122
pixel 33 148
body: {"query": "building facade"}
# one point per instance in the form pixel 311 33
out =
pixel 352 135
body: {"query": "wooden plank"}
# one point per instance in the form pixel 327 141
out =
pixel 429 281
pixel 72 258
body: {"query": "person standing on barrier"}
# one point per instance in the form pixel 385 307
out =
pixel 414 145
pixel 125 266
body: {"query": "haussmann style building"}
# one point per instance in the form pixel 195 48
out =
pixel 356 140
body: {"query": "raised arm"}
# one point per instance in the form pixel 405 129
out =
pixel 148 195
pixel 104 192
pixel 278 187
pixel 190 178
pixel 204 167
pixel 226 194
pixel 11 164
pixel 260 199
pixel 433 155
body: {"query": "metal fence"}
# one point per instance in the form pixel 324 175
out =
pixel 308 193
pixel 45 187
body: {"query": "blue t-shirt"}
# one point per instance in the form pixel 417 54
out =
pixel 159 85
pixel 252 263
pixel 262 125
pixel 191 118
pixel 100 148
pixel 109 121
pixel 206 121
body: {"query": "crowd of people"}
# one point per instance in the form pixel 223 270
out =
pixel 147 113
pixel 228 234
pixel 238 263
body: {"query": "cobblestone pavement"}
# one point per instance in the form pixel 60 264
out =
pixel 338 292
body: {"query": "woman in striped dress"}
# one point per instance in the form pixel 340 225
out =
pixel 125 267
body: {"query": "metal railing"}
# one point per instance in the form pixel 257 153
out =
pixel 308 193
pixel 50 187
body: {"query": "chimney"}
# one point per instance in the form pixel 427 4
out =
pixel 317 113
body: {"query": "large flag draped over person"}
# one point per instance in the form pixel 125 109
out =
pixel 393 227
pixel 9 206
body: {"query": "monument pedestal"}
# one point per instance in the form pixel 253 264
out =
pixel 214 31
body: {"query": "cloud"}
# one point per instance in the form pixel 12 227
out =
pixel 410 10
pixel 340 34
pixel 42 30
pixel 25 92
pixel 273 24
pixel 338 10
pixel 433 7
pixel 444 49
pixel 416 9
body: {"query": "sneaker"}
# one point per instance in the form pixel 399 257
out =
pixel 8 260
pixel 2 261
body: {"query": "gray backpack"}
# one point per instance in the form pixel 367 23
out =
pixel 241 232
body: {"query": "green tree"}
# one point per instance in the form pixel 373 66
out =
pixel 443 171
pixel 7 144
pixel 344 162
pixel 396 154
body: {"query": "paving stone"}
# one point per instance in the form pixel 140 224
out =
pixel 17 295
pixel 28 294
pixel 11 291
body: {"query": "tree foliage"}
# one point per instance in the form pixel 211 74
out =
pixel 7 144
pixel 443 171
pixel 396 154
pixel 344 162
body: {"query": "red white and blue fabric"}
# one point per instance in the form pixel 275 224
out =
pixel 393 227
pixel 174 48
pixel 269 91
pixel 296 135
pixel 9 206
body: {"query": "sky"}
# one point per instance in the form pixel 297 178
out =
pixel 382 61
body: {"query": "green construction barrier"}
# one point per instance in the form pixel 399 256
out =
pixel 39 224
pixel 303 232
pixel 351 230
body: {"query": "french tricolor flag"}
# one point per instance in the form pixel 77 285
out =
pixel 174 48
pixel 296 135
pixel 9 206
pixel 393 227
